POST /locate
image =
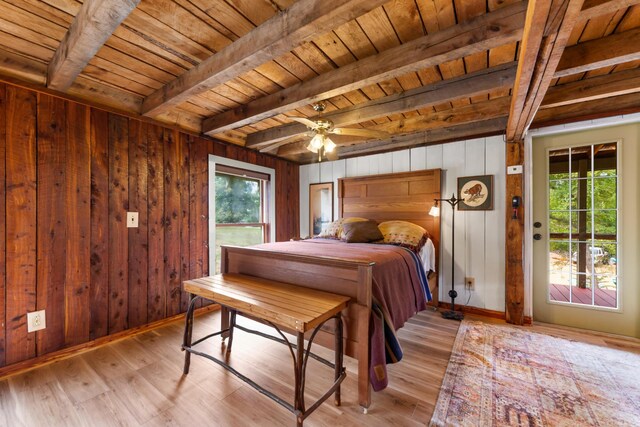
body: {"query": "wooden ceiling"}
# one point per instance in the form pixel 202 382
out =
pixel 424 71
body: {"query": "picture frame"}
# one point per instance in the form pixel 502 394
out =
pixel 320 207
pixel 476 192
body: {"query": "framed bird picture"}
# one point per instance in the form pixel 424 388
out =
pixel 476 193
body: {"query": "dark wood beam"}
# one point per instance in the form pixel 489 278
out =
pixel 514 237
pixel 479 112
pixel 548 26
pixel 606 86
pixel 594 8
pixel 431 137
pixel 599 53
pixel 93 25
pixel 465 86
pixel 302 21
pixel 605 107
pixel 477 35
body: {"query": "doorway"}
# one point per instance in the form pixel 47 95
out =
pixel 580 234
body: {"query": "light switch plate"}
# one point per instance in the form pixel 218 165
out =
pixel 36 321
pixel 514 170
pixel 132 219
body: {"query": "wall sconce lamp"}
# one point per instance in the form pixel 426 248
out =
pixel 435 211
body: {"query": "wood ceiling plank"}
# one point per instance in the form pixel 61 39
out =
pixel 29 20
pixel 48 12
pixel 378 28
pixel 19 31
pixel 93 25
pixel 610 85
pixel 444 91
pixel 490 30
pixel 214 21
pixel 175 16
pixel 272 39
pixel 599 53
pixel 222 12
pixel 25 47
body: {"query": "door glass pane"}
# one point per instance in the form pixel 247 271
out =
pixel 239 212
pixel 582 222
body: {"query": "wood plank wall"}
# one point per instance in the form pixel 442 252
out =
pixel 68 175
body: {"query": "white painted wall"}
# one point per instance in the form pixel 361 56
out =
pixel 479 235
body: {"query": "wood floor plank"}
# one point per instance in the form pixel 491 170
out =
pixel 145 385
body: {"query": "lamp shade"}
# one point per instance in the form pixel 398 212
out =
pixel 317 141
pixel 435 210
pixel 329 145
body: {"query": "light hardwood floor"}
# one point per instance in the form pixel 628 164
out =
pixel 139 381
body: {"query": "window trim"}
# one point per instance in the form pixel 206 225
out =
pixel 270 199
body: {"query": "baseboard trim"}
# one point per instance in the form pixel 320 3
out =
pixel 474 310
pixel 48 358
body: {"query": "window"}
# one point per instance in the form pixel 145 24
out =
pixel 583 225
pixel 241 208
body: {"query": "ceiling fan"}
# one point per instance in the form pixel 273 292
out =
pixel 320 142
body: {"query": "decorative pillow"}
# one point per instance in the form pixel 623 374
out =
pixel 361 232
pixel 403 233
pixel 334 230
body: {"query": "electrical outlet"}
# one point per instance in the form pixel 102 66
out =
pixel 36 321
pixel 469 283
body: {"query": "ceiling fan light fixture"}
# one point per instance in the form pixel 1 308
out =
pixel 317 142
pixel 329 145
pixel 311 148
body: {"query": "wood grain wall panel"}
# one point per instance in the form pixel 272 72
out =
pixel 51 230
pixel 155 192
pixel 3 112
pixel 185 247
pixel 118 234
pixel 69 175
pixel 99 257
pixel 77 211
pixel 172 221
pixel 20 223
pixel 138 246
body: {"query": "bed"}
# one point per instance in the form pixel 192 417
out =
pixel 402 196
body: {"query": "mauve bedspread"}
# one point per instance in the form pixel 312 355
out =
pixel 399 291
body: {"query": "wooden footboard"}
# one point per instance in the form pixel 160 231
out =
pixel 333 275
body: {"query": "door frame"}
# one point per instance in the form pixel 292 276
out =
pixel 528 180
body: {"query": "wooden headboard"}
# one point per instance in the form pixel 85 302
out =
pixel 406 196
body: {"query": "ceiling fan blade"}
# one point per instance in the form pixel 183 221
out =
pixel 308 123
pixel 367 133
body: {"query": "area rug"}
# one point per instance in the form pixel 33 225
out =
pixel 501 375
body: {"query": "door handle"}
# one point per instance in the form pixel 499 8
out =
pixel 537 236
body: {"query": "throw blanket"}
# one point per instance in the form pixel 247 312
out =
pixel 399 288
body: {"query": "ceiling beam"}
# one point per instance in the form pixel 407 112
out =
pixel 547 28
pixel 93 25
pixel 431 137
pixel 302 21
pixel 477 35
pixel 606 86
pixel 477 112
pixel 594 8
pixel 599 53
pixel 598 108
pixel 464 86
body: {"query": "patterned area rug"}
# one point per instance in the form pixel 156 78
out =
pixel 500 375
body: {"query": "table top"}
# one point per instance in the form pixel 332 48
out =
pixel 283 304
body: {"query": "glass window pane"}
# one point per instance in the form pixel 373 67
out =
pixel 606 293
pixel 238 199
pixel 605 190
pixel 581 289
pixel 237 236
pixel 605 223
pixel 559 195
